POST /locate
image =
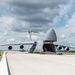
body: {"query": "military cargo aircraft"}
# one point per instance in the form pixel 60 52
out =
pixel 47 44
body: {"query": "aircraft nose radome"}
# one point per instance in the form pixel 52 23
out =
pixel 51 35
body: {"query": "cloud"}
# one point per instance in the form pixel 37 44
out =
pixel 67 32
pixel 62 36
pixel 37 14
pixel 11 40
pixel 19 16
pixel 65 12
pixel 34 37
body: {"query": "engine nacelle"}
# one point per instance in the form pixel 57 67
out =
pixel 59 47
pixel 22 46
pixel 56 46
pixel 67 49
pixel 10 47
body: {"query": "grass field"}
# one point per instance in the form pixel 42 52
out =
pixel 1 53
pixel 64 53
pixel 67 53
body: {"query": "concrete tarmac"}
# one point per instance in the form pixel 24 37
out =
pixel 40 64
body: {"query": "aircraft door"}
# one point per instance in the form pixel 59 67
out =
pixel 48 47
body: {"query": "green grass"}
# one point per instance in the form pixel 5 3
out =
pixel 1 53
pixel 67 53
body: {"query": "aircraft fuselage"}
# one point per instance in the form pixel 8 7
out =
pixel 49 47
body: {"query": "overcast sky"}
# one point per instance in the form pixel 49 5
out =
pixel 19 16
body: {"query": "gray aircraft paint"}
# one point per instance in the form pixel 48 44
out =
pixel 51 35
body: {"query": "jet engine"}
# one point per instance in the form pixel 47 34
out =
pixel 10 47
pixel 67 49
pixel 58 47
pixel 22 46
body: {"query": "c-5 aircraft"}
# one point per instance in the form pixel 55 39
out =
pixel 47 45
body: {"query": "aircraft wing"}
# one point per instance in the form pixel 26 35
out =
pixel 22 46
pixel 17 44
pixel 67 48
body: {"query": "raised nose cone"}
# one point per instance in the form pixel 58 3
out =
pixel 51 36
